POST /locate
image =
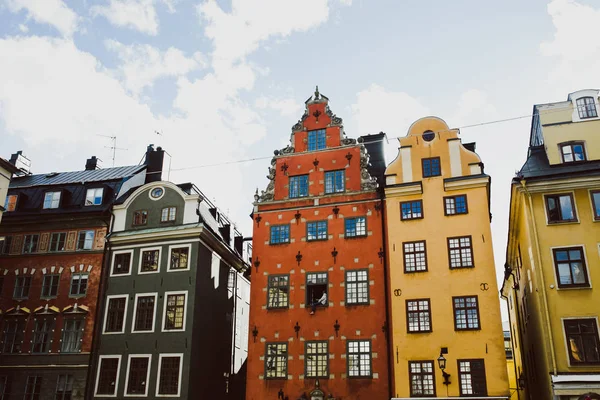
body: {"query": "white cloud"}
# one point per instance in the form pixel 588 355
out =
pixel 23 28
pixel 51 12
pixel 142 64
pixel 139 15
pixel 346 2
pixel 286 107
pixel 473 108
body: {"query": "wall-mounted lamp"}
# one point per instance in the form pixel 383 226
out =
pixel 258 218
pixel 442 364
pixel 349 157
pixel 297 216
pixel 284 168
pixel 296 329
pixel 336 210
pixel 316 162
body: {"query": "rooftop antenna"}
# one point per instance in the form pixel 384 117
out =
pixel 113 147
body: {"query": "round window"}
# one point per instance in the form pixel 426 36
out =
pixel 156 193
pixel 428 136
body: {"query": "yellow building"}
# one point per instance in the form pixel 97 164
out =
pixel 552 257
pixel 444 298
pixel 6 171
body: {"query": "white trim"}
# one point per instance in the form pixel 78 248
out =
pixel 163 242
pixel 117 356
pixel 159 248
pixel 112 263
pixel 164 311
pixel 558 193
pixel 160 357
pixel 562 327
pixel 179 246
pixel 150 186
pixel 587 270
pixel 405 157
pixel 149 357
pixel 155 294
pixel 108 299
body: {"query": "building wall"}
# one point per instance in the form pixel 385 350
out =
pixel 5 176
pixel 440 283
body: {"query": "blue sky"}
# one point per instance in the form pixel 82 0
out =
pixel 226 80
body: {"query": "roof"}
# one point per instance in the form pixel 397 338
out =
pixel 538 166
pixel 62 178
pixel 8 166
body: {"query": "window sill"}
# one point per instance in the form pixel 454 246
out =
pixel 178 269
pixel 48 297
pixel 562 222
pixel 355 237
pixel 367 303
pixel 418 332
pixel 456 214
pixel 76 296
pixel 464 267
pixel 278 244
pixel 316 240
pixel 410 219
pixel 573 287
pixel 417 272
pixel 148 272
pixel 277 308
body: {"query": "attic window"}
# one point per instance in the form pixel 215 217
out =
pixel 93 197
pixel 51 200
pixel 11 202
pixel 428 136
pixel 586 107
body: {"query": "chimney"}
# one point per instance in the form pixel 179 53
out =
pixel 225 231
pixel 21 162
pixel 238 244
pixel 91 164
pixel 154 163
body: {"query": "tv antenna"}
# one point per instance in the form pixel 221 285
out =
pixel 113 147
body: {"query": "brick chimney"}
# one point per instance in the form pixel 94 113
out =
pixel 91 164
pixel 154 163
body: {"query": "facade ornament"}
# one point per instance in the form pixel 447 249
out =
pixel 348 141
pixel 367 182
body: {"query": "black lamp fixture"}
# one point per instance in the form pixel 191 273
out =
pixel 316 162
pixel 284 168
pixel 442 364
pixel 336 210
pixel 258 218
pixel 298 215
pixel 334 254
pixel 349 157
pixel 336 327
pixel 297 329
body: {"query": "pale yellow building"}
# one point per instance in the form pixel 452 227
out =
pixel 444 298
pixel 6 171
pixel 553 252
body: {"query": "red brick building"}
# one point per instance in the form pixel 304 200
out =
pixel 318 299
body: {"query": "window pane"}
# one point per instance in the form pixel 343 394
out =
pixel 566 207
pixel 169 375
pixel 596 203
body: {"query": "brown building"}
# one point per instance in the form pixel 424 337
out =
pixel 51 262
pixel 318 303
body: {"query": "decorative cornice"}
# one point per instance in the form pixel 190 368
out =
pixel 404 189
pixel 468 183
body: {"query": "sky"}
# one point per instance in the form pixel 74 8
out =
pixel 216 82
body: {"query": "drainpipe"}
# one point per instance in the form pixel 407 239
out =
pixel 541 269
pixel 387 291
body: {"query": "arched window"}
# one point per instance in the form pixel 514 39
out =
pixel 586 106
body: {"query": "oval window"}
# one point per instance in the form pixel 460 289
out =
pixel 157 192
pixel 428 136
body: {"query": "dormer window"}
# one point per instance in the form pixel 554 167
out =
pixel 51 200
pixel 93 197
pixel 586 106
pixel 11 202
pixel 316 140
pixel 572 152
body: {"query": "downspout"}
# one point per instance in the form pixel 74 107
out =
pixel 541 269
pixel 387 291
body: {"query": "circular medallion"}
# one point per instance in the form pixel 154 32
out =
pixel 157 193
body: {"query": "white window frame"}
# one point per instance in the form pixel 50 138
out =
pixel 160 357
pixel 164 311
pixel 149 357
pixel 53 199
pixel 178 246
pixel 117 356
pixel 108 298
pixel 159 248
pixel 112 263
pixel 168 208
pixel 155 294
pixel 93 191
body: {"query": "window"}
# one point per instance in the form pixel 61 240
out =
pixel 466 313
pixel 11 202
pixel 79 283
pixel 51 200
pixel 316 230
pixel 455 205
pixel 411 210
pixel 278 291
pixel 138 369
pixel 460 251
pixel 298 186
pixel 169 374
pixel 570 267
pixel 57 241
pixel 471 374
pixel 316 359
pixel 107 382
pixel 50 286
pixel 12 336
pixel 418 315
pixel 5 388
pixel 93 197
pixel 168 214
pixel 276 361
pixel 316 286
pixel 507 346
pixel 145 310
pixel 280 234
pixel 179 258
pixel 595 204
pixel 560 208
pixel 116 310
pixel 72 335
pixel 33 388
pixel 572 152
pixel 7 243
pixel 422 378
pixel 415 256
pixel 356 227
pixel 357 287
pixel 85 240
pixel 335 181
pixel 431 167
pixel 359 358
pixel 150 260
pixel 586 107
pixel 174 311
pixel 122 263
pixel 140 217
pixel 22 285
pixel 316 140
pixel 64 387
pixel 583 343
pixel 30 244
